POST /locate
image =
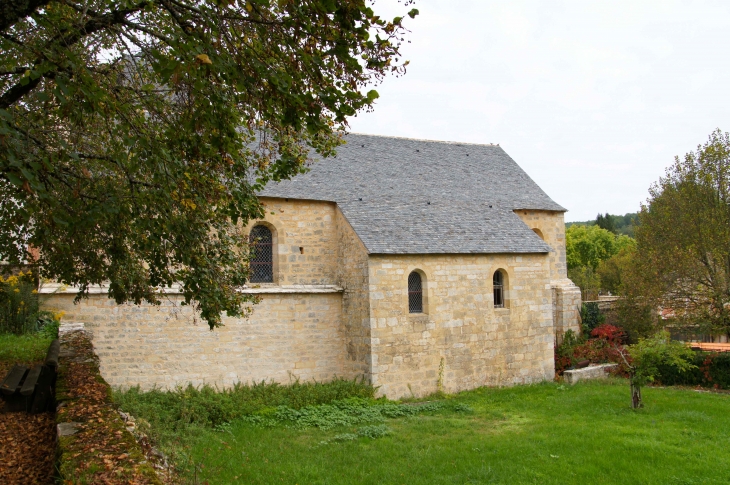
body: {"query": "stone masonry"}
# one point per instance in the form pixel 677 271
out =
pixel 334 310
pixel 338 303
pixel 460 334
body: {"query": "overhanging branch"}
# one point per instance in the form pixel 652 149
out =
pixel 13 11
pixel 67 39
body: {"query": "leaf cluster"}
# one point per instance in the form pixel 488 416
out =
pixel 649 354
pixel 597 257
pixel 134 134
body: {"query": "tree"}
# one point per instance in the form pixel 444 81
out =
pixel 682 262
pixel 135 133
pixel 586 248
pixel 646 357
pixel 605 222
pixel 611 271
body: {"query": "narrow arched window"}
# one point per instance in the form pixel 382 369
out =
pixel 415 293
pixel 262 255
pixel 498 284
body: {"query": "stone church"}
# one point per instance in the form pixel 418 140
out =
pixel 420 265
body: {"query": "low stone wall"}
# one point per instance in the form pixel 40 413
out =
pixel 93 444
pixel 289 336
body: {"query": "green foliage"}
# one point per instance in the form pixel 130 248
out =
pixel 710 370
pixel 588 246
pixel 209 407
pixel 587 280
pixel 136 134
pixel 683 257
pixel 637 317
pixel 591 317
pixel 48 323
pixel 605 222
pixel 592 251
pixel 348 412
pixel 18 304
pixel 611 272
pixel 564 353
pixel 622 225
pixel 649 354
pixel 374 431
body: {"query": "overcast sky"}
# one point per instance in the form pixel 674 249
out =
pixel 592 99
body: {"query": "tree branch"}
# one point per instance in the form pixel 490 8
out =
pixel 12 11
pixel 19 90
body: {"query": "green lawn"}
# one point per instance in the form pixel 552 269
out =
pixel 543 434
pixel 24 348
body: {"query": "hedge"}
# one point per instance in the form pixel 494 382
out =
pixel 713 370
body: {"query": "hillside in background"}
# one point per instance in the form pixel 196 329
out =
pixel 617 224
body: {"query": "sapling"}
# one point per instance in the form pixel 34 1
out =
pixel 646 357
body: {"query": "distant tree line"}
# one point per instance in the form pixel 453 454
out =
pixel 617 224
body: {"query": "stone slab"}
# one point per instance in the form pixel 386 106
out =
pixel 67 429
pixel 599 371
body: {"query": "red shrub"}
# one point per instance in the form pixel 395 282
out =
pixel 610 333
pixel 604 347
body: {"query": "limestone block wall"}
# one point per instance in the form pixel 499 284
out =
pixel 567 302
pixel 305 240
pixel 477 343
pixel 566 295
pixel 352 276
pixel 288 336
pixel 551 227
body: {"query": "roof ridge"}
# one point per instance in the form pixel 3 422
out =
pixel 425 139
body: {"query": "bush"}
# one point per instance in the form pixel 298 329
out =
pixel 591 317
pixel 604 347
pixel 712 370
pixel 18 304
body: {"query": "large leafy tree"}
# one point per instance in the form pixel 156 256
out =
pixel 682 260
pixel 135 133
pixel 588 248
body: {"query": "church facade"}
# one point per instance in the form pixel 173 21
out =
pixel 418 265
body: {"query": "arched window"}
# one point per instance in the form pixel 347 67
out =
pixel 415 293
pixel 262 255
pixel 538 232
pixel 498 284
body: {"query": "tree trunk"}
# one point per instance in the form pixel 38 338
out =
pixel 636 397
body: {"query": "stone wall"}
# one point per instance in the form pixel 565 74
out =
pixel 305 238
pixel 566 307
pixel 288 336
pixel 551 228
pixel 352 276
pixel 335 310
pixel 296 331
pixel 566 295
pixel 477 343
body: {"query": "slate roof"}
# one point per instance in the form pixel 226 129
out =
pixel 406 196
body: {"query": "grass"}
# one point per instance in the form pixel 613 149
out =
pixel 545 434
pixel 24 348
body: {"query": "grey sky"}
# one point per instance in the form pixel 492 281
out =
pixel 592 99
